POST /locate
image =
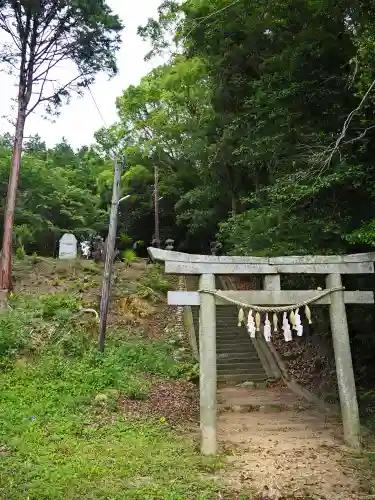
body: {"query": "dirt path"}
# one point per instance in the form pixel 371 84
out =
pixel 280 444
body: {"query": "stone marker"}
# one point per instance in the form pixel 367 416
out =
pixel 68 246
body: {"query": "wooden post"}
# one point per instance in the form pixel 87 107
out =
pixel 344 365
pixel 207 354
pixel 156 207
pixel 111 239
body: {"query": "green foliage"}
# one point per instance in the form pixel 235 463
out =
pixel 276 81
pixel 14 334
pixel 20 253
pixel 128 256
pixel 60 410
pixel 34 259
pixel 162 119
pixel 154 359
pixel 66 408
pixel 155 281
pixel 189 371
pixel 49 205
pixel 54 304
pixel 126 240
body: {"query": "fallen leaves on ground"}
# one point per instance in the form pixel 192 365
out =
pixel 305 357
pixel 171 401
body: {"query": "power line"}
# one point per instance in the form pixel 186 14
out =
pixel 97 107
pixel 112 153
pixel 202 19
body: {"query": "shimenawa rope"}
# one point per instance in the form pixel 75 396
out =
pixel 275 309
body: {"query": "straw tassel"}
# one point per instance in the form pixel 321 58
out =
pixel 308 314
pixel 298 324
pixel 292 319
pixel 241 317
pixel 286 328
pixel 257 321
pixel 267 329
pixel 251 324
pixel 275 323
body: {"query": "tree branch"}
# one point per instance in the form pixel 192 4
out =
pixel 52 62
pixel 4 25
pixel 58 31
pixel 335 147
pixel 359 137
pixel 51 96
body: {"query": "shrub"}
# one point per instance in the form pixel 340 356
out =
pixel 156 282
pixel 14 333
pixel 54 305
pixel 34 259
pixel 20 253
pixel 128 256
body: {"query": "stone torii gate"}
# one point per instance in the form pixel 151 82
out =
pixel 207 266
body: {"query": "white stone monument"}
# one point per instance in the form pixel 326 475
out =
pixel 68 246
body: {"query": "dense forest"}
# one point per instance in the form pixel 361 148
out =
pixel 261 125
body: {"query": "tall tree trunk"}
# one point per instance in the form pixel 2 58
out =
pixel 234 204
pixel 6 253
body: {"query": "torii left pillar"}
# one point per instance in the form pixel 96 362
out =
pixel 207 364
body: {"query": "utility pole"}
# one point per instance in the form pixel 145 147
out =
pixel 156 207
pixel 111 239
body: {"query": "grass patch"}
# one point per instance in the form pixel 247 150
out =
pixel 153 284
pixel 60 441
pixel 62 430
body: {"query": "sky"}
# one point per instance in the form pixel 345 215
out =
pixel 80 119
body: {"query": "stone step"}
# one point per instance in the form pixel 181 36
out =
pixel 241 377
pixel 234 339
pixel 237 346
pixel 247 344
pixel 233 329
pixel 236 353
pixel 238 362
pixel 250 374
pixel 231 333
pixel 241 368
pixel 248 357
pixel 235 359
pixel 243 365
pixel 236 356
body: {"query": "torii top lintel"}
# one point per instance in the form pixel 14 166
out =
pixel 184 263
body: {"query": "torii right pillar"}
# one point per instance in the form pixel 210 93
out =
pixel 344 364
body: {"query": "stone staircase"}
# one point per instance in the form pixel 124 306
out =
pixel 237 358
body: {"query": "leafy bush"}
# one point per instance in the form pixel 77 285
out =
pixel 34 259
pixel 188 371
pixel 126 240
pixel 153 359
pixel 91 374
pixel 55 304
pixel 20 253
pixel 128 256
pixel 14 333
pixel 156 281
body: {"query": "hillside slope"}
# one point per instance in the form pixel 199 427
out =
pixel 79 424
